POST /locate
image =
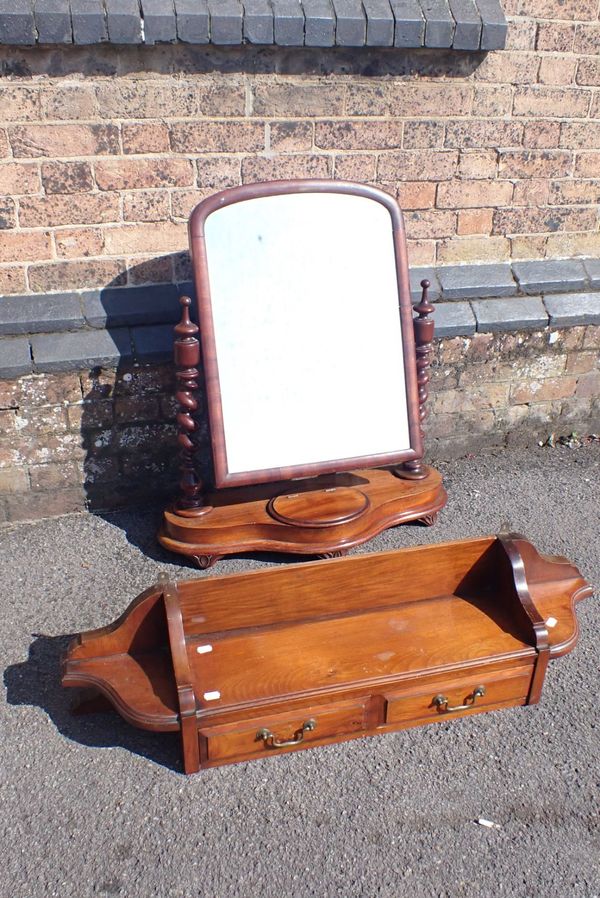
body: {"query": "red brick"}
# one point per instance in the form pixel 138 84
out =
pixel 80 208
pixel 64 140
pixel 542 390
pixel 217 137
pixel 14 480
pixel 474 221
pixel 533 192
pixel 25 246
pixel 595 108
pixel 19 178
pixel 342 135
pixel 508 68
pixel 532 221
pixel 579 192
pixel 581 136
pixel 557 36
pixel 492 100
pixel 484 134
pixel 355 167
pixel 418 166
pixel 521 34
pixel 416 194
pixel 140 98
pixel 473 249
pixel 557 70
pixel 474 194
pixel 218 172
pixel 145 137
pixel 145 238
pixel 555 9
pixel 425 135
pixel 44 505
pixel 582 362
pixel 478 164
pixel 540 135
pixel 535 163
pixel 587 165
pixel 293 99
pixel 146 205
pixel 259 168
pixel 77 243
pixel 549 101
pixel 425 99
pixel 367 99
pixel 8 213
pixel 587 38
pixel 588 71
pixel 75 275
pixel 421 252
pixel 12 280
pixel 591 339
pixel 4 145
pixel 129 174
pixel 588 385
pixel 183 201
pixel 137 408
pixel 150 269
pixel 49 477
pixel 287 137
pixel 69 101
pixel 19 103
pixel 67 177
pixel 430 224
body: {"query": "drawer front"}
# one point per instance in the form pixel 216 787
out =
pixel 265 735
pixel 441 700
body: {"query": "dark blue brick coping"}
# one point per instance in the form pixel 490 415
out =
pixel 467 25
pixel 79 329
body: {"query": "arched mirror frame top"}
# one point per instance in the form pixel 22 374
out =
pixel 401 399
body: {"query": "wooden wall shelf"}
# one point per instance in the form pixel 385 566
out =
pixel 251 665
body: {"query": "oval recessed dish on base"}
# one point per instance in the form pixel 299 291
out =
pixel 319 508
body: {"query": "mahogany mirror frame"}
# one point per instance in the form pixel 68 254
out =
pixel 200 267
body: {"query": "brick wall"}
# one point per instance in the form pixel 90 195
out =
pixel 105 150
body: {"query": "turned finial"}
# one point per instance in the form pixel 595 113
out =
pixel 186 327
pixel 424 307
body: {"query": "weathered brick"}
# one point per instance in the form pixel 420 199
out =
pixel 145 238
pixel 26 246
pixel 69 101
pixel 422 99
pixel 568 191
pixel 184 201
pixel 582 362
pixel 556 9
pixel 51 476
pixel 20 103
pixel 478 164
pixel 591 338
pixel 45 419
pixel 138 98
pixel 67 177
pixel 367 99
pixel 80 208
pixel 508 68
pixel 474 221
pixel 19 178
pixel 595 107
pixel 548 102
pixel 146 205
pixel 542 390
pixel 483 134
pixel 581 136
pixel 416 194
pixel 135 409
pixel 259 168
pixel 586 165
pixel 150 269
pixel 588 385
pixel 430 224
pixel 473 249
pixel 12 280
pixel 492 100
pixel 293 99
pixel 587 38
pixel 145 137
pixel 418 135
pixel 355 167
pixel 556 36
pixel 557 70
pixel 421 252
pixel 76 243
pixel 291 136
pixel 540 135
pixel 218 172
pixel 342 135
pixel 569 245
pixel 14 480
pixel 483 396
pixel 75 274
pixel 31 506
pixel 64 140
pixel 474 194
pixel 414 165
pixel 8 213
pixel 217 137
pixel 535 163
pixel 531 221
pixel 128 174
pixel 46 389
pixel 588 71
pixel 521 34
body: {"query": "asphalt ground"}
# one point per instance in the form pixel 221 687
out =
pixel 93 807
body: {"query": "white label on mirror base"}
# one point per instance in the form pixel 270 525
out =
pixel 212 696
pixel 307 329
pixel 203 649
pixel 551 622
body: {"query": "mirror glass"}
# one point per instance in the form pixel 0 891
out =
pixel 304 302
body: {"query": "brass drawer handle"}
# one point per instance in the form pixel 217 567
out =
pixel 271 741
pixel 440 701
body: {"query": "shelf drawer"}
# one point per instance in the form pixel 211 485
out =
pixel 439 700
pixel 262 735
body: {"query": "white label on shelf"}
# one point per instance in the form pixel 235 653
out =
pixel 203 649
pixel 551 622
pixel 212 696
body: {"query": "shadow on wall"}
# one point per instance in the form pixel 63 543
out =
pixel 128 423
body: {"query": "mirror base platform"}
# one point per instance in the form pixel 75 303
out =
pixel 324 516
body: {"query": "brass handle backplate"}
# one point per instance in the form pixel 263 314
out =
pixel 272 741
pixel 441 702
